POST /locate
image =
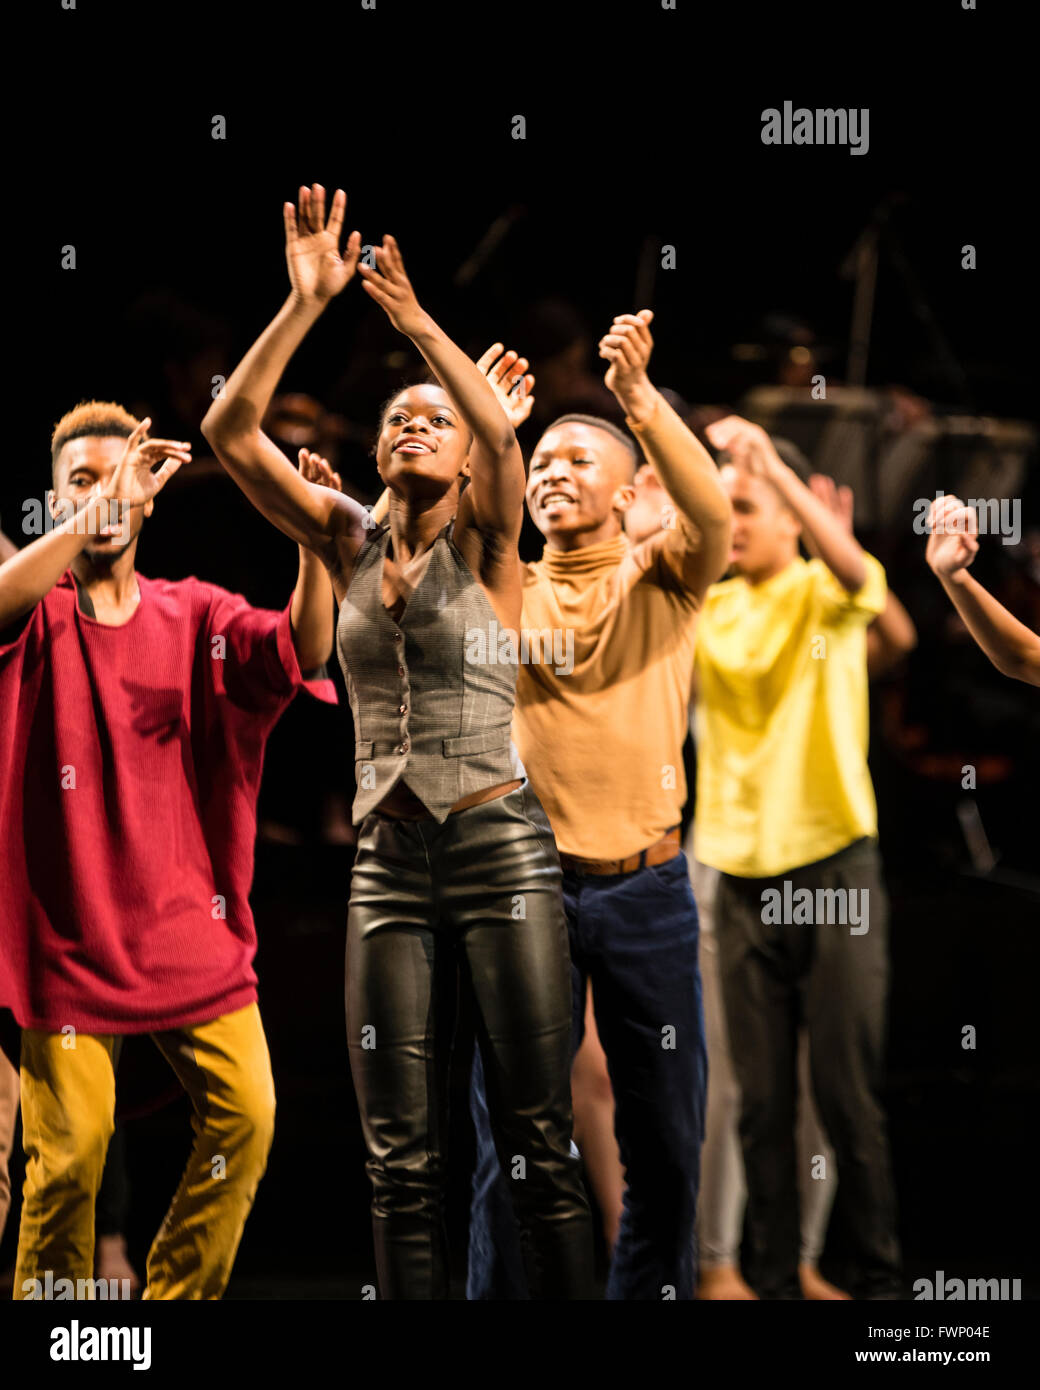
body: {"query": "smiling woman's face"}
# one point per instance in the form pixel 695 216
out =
pixel 423 442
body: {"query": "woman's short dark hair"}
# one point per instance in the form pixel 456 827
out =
pixel 384 409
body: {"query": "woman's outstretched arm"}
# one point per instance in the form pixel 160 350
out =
pixel 314 516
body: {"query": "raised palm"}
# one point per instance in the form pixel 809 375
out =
pixel 134 482
pixel 512 383
pixel 317 270
pixel 317 469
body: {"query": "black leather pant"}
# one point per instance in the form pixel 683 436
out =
pixel 476 900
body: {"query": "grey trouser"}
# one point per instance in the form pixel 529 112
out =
pixel 778 971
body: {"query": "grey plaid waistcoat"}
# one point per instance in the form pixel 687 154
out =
pixel 433 694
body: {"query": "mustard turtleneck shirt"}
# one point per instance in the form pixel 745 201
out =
pixel 600 727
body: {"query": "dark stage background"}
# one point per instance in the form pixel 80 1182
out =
pixel 642 130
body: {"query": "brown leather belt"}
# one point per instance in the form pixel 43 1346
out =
pixel 667 847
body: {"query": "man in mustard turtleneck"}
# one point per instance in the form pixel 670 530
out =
pixel 601 738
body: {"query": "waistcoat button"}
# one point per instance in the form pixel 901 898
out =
pixel 403 748
pixel 400 670
pixel 397 637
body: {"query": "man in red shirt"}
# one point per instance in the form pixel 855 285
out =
pixel 133 719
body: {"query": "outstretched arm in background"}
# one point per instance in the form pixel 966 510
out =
pixel 1013 648
pixel 892 634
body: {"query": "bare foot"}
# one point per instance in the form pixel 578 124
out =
pixel 111 1262
pixel 723 1282
pixel 815 1286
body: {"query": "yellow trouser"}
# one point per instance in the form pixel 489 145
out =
pixel 68 1110
pixel 8 1115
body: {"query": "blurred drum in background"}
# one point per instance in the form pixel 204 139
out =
pixel 893 448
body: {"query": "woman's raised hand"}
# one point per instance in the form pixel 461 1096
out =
pixel 387 283
pixel 317 270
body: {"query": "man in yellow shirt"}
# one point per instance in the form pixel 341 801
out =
pixel 786 812
pixel 600 721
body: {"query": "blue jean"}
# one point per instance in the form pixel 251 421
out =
pixel 634 937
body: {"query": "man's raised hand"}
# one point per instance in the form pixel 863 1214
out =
pixel 839 501
pixel 748 445
pixel 627 346
pixel 512 383
pixel 133 481
pixel 317 270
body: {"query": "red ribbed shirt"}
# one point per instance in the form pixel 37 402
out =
pixel 130 761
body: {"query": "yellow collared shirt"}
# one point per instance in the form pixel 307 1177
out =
pixel 782 719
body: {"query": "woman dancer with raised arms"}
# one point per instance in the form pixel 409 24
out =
pixel 456 874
